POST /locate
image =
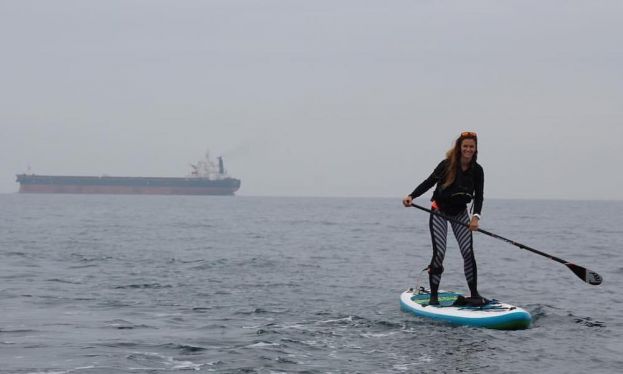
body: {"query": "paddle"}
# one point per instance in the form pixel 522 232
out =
pixel 583 273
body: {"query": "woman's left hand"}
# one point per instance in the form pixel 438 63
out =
pixel 473 224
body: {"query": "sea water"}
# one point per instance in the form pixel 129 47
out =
pixel 170 284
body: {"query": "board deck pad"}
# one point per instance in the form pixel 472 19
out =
pixel 495 314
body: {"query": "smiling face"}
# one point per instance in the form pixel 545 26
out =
pixel 468 148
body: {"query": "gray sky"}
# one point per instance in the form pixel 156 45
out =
pixel 321 98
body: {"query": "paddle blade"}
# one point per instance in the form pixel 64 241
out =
pixel 586 275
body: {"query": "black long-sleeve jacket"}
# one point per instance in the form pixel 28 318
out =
pixel 467 185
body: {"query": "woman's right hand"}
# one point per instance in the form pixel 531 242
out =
pixel 407 201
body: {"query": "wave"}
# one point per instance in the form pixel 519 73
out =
pixel 158 361
pixel 143 286
pixel 546 314
pixel 121 324
pixel 358 322
pixel 183 348
pixel 59 280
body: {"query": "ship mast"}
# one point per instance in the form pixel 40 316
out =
pixel 208 169
pixel 221 167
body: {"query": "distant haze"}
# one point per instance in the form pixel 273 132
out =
pixel 316 98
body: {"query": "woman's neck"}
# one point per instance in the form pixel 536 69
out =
pixel 465 163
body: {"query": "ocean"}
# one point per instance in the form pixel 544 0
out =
pixel 170 284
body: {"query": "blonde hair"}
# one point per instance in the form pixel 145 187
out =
pixel 453 155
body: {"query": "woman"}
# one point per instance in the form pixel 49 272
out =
pixel 459 179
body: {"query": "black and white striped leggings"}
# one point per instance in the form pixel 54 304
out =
pixel 439 234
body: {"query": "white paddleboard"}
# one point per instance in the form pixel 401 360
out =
pixel 494 315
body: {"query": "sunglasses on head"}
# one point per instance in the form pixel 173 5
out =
pixel 468 134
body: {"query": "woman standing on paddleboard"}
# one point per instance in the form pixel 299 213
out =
pixel 459 179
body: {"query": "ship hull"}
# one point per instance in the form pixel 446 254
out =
pixel 126 185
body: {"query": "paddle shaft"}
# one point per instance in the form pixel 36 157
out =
pixel 522 246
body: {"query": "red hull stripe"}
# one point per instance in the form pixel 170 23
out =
pixel 129 190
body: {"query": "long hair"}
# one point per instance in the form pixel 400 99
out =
pixel 454 157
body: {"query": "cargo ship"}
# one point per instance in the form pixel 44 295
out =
pixel 206 178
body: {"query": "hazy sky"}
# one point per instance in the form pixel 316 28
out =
pixel 322 98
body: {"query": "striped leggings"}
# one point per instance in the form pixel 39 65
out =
pixel 439 233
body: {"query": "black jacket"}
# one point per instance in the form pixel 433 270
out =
pixel 452 200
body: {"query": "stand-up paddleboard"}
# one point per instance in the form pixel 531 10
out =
pixel 494 314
